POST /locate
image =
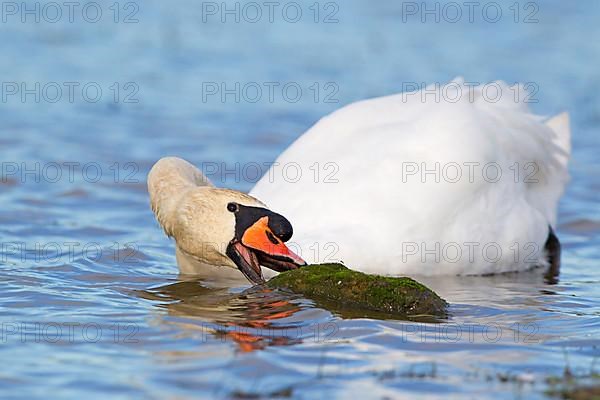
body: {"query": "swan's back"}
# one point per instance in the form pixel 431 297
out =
pixel 408 174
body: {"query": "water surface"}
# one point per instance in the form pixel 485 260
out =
pixel 90 298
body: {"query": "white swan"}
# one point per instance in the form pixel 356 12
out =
pixel 395 185
pixel 465 183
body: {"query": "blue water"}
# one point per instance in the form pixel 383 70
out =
pixel 89 296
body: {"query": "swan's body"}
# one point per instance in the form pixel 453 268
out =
pixel 373 205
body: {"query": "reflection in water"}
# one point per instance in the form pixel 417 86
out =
pixel 254 319
pixel 504 290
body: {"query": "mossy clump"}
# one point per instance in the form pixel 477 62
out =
pixel 334 283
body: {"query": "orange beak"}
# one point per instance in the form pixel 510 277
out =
pixel 260 237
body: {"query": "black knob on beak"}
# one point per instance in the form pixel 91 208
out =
pixel 280 227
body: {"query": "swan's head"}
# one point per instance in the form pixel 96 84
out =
pixel 229 228
pixel 259 239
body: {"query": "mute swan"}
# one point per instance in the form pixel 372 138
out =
pixel 403 184
pixel 217 230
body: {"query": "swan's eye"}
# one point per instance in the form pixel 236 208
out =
pixel 232 207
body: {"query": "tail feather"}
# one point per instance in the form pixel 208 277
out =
pixel 553 173
pixel 560 125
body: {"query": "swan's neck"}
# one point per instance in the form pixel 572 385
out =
pixel 168 181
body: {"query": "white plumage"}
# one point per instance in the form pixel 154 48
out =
pixel 406 184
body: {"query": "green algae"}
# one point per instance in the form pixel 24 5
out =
pixel 348 289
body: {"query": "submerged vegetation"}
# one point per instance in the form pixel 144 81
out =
pixel 348 289
pixel 574 387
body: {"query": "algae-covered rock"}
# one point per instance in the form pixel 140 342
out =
pixel 334 283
